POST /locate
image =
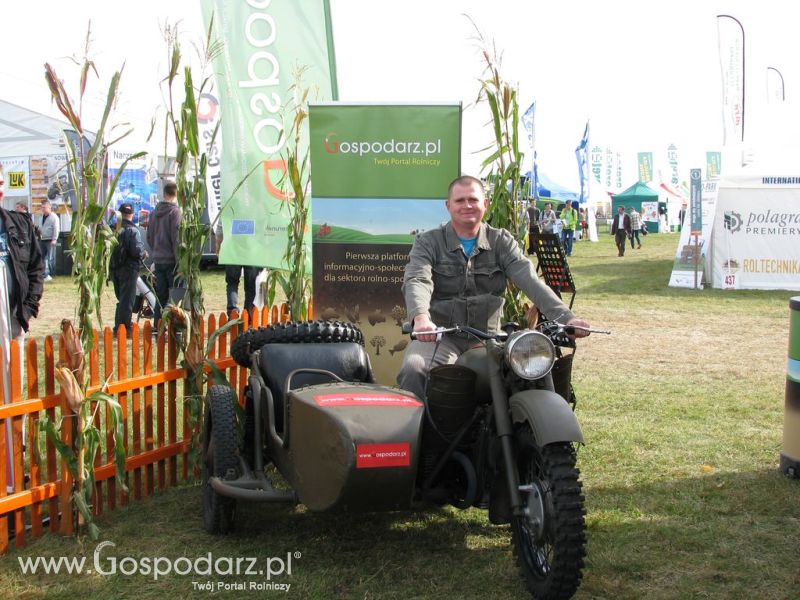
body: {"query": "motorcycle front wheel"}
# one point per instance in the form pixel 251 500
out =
pixel 549 539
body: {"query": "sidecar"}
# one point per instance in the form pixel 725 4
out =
pixel 311 412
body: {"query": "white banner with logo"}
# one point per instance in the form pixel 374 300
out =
pixel 17 173
pixel 756 236
pixel 683 267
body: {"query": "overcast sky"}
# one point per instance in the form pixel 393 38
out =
pixel 646 73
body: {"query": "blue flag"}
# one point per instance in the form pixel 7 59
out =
pixel 528 119
pixel 582 154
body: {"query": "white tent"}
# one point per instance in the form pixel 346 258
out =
pixel 24 132
pixel 31 152
pixel 755 231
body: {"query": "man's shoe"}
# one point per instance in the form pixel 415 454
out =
pixel 48 278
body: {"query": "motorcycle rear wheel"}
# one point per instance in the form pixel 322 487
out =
pixel 549 541
pixel 219 456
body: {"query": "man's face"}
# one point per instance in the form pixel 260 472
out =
pixel 467 205
pixel 621 210
pixel 45 209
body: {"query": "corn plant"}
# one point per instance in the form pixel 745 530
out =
pixel 91 243
pixel 190 177
pixel 295 282
pixel 503 164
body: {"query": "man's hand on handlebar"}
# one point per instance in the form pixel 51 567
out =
pixel 577 333
pixel 423 323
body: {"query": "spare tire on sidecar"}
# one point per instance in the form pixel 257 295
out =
pixel 312 409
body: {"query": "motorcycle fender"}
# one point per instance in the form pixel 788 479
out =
pixel 550 417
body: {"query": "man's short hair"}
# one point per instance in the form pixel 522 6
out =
pixel 465 180
pixel 21 203
pixel 170 189
pixel 45 202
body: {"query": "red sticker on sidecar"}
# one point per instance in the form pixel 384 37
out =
pixel 366 400
pixel 377 456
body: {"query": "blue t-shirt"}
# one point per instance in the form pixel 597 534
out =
pixel 468 245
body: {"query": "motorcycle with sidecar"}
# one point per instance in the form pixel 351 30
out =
pixel 496 431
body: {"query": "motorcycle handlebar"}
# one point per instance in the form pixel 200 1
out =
pixel 439 331
pixel 547 327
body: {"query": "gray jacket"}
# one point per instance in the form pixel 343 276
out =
pixel 162 233
pixel 442 282
pixel 51 227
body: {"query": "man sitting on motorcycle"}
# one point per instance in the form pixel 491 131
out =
pixel 457 275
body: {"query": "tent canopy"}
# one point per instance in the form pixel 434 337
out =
pixel 550 189
pixel 638 192
pixel 25 132
pixel 633 197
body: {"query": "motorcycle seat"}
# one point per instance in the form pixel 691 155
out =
pixel 347 360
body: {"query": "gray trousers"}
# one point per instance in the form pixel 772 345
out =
pixel 421 357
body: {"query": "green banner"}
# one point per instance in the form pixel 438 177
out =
pixel 713 164
pixel 265 43
pixel 645 167
pixel 381 151
pixel 380 177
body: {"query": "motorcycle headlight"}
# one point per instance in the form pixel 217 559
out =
pixel 530 354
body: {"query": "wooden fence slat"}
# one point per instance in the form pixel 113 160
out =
pixel 136 412
pixel 172 399
pixel 108 375
pixel 148 406
pixel 161 410
pixel 32 370
pixel 122 373
pixel 52 462
pixel 18 458
pixel 68 420
pixel 233 373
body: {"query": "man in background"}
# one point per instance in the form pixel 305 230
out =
pixel 125 260
pixel 548 218
pixel 569 217
pixel 621 229
pixel 636 226
pixel 50 229
pixel 162 237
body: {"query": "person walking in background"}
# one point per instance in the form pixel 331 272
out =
pixel 585 224
pixel 162 237
pixel 621 229
pixel 125 259
pixel 636 226
pixel 569 217
pixel 548 218
pixel 50 229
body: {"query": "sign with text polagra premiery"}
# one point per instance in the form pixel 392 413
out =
pixel 379 177
pixel 756 232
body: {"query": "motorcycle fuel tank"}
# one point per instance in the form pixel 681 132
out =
pixel 354 447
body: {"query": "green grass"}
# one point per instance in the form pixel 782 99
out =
pixel 682 410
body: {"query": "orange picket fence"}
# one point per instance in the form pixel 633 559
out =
pixel 143 374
